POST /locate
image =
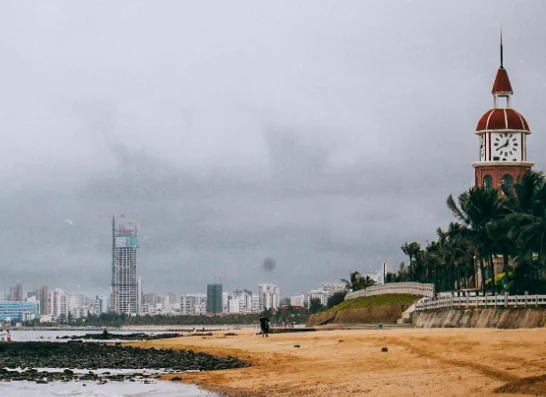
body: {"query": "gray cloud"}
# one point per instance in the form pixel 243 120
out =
pixel 321 134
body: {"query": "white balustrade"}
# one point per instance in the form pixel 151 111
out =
pixel 488 301
pixel 412 288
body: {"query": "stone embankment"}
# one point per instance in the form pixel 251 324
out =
pixel 369 315
pixel 504 318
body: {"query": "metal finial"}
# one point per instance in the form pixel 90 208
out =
pixel 501 50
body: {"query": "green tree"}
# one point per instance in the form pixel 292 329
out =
pixel 336 299
pixel 315 306
pixel 477 209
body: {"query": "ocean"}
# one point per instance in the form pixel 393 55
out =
pixel 110 389
pixel 92 389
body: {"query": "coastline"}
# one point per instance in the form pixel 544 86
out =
pixel 447 362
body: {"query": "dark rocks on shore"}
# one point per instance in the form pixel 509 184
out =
pixel 93 356
pixel 105 335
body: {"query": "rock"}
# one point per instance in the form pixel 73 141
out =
pixel 297 346
pixel 384 349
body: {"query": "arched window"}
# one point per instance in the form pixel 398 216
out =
pixel 507 183
pixel 488 182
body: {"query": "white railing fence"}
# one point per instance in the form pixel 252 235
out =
pixel 394 288
pixel 489 301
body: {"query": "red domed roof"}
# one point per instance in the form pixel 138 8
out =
pixel 502 119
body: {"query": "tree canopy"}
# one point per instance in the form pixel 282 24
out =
pixel 490 226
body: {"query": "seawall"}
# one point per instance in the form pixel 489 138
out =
pixel 480 318
pixel 368 315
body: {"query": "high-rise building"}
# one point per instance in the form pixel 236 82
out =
pixel 139 295
pixel 124 268
pixel 192 304
pixel 57 299
pixel 240 301
pixel 214 298
pixel 101 304
pixel 255 303
pixel 226 297
pixel 269 296
pixel 43 297
pixel 16 292
pixel 386 268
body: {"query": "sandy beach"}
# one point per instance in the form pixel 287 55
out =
pixel 419 362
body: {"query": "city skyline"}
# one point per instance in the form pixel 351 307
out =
pixel 324 145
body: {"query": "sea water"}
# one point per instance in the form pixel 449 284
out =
pixel 94 389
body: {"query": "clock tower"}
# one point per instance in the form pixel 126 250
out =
pixel 502 132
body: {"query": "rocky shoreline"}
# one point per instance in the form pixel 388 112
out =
pixel 105 335
pixel 92 356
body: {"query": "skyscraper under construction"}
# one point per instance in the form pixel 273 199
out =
pixel 124 268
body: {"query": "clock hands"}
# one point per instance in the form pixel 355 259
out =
pixel 503 146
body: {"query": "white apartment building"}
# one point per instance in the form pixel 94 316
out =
pixel 332 288
pixel 80 306
pixel 240 301
pixel 299 299
pixel 57 299
pixel 226 297
pixel 320 295
pixel 269 296
pixel 255 303
pixel 101 304
pixel 192 304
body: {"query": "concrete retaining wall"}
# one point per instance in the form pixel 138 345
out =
pixel 369 315
pixel 480 318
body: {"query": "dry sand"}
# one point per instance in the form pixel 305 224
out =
pixel 419 362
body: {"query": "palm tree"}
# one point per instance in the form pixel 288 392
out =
pixel 357 281
pixel 366 282
pixel 415 253
pixel 527 223
pixel 461 252
pixel 353 284
pixel 477 208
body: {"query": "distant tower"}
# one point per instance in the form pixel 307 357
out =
pixel 43 297
pixel 16 293
pixel 214 298
pixel 125 287
pixel 502 133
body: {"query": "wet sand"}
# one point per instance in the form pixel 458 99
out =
pixel 419 362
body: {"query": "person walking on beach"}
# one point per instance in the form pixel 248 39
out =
pixel 264 325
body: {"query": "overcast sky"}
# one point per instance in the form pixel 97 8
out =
pixel 323 134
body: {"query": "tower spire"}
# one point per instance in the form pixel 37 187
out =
pixel 501 50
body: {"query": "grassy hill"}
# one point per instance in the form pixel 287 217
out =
pixel 375 301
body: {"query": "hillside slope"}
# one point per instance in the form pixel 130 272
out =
pixel 385 309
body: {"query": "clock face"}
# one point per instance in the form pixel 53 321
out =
pixel 506 147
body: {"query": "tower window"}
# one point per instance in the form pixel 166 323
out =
pixel 488 182
pixel 507 183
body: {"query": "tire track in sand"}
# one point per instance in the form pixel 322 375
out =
pixel 485 370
